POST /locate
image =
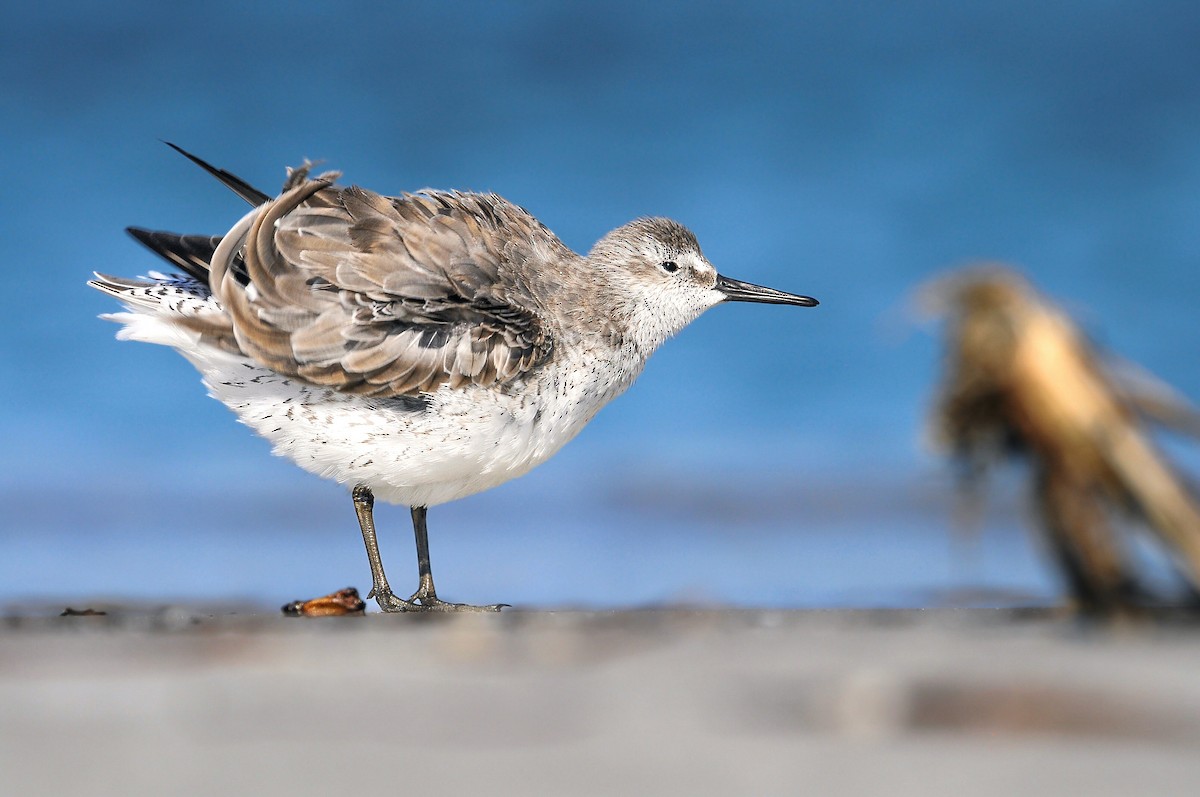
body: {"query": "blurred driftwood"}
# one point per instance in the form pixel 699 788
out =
pixel 1020 378
pixel 335 604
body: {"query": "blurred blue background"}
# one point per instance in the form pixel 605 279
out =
pixel 769 456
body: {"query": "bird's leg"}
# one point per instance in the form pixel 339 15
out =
pixel 364 503
pixel 425 599
pixel 425 593
pixel 426 596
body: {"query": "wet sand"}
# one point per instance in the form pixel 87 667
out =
pixel 211 700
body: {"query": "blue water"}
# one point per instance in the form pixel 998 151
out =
pixel 767 456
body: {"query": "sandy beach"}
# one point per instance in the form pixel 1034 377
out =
pixel 208 700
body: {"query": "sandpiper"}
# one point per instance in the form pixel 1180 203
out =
pixel 421 348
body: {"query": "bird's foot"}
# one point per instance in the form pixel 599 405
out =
pixel 438 605
pixel 423 601
pixel 389 602
pixel 427 599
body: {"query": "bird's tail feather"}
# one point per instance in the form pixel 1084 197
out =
pixel 192 253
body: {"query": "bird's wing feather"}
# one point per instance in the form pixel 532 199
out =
pixel 231 181
pixel 384 296
pixel 189 252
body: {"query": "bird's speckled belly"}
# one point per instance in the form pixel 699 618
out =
pixel 455 443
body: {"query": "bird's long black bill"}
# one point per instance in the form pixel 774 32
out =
pixel 738 291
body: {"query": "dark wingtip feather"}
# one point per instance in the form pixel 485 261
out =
pixel 234 183
pixel 192 253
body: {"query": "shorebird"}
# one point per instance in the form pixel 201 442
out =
pixel 421 348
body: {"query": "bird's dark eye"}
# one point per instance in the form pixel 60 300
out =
pixel 669 266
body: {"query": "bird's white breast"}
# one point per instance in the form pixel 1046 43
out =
pixel 454 443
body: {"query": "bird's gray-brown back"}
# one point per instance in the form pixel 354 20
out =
pixel 387 296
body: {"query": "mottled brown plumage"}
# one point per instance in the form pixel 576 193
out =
pixel 384 296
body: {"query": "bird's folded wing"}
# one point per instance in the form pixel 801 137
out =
pixel 381 296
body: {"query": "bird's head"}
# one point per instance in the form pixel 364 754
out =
pixel 661 281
